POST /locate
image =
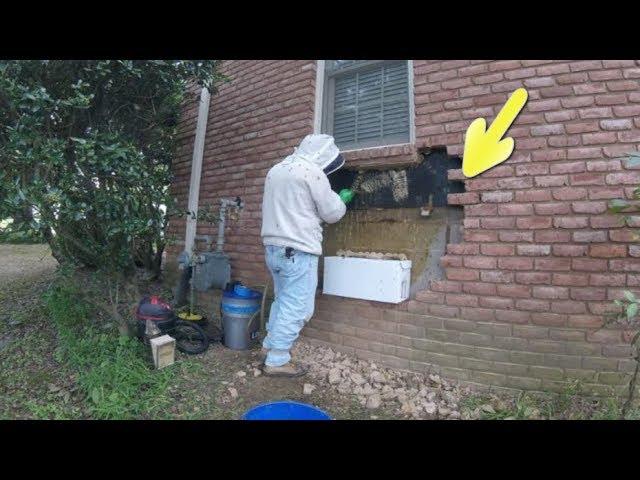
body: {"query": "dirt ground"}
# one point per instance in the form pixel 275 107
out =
pixel 19 263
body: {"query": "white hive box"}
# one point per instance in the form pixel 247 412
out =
pixel 367 279
pixel 164 351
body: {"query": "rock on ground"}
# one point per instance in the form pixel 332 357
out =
pixel 407 393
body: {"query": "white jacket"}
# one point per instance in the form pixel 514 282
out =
pixel 298 197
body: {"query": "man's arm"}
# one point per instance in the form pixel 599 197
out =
pixel 330 206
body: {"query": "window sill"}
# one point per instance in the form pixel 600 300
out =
pixel 399 155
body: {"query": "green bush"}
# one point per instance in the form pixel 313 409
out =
pixel 113 371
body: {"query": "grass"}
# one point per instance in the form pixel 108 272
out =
pixel 567 405
pixel 113 371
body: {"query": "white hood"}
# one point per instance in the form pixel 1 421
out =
pixel 321 150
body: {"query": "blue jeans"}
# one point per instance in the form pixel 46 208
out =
pixel 295 280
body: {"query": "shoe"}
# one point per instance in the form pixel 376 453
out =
pixel 287 370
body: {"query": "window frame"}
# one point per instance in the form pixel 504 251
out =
pixel 325 93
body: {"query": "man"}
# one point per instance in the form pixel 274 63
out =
pixel 297 199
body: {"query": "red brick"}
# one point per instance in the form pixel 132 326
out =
pixel 497 249
pixel 598 75
pixel 626 265
pixel 619 124
pixel 479 262
pixel 589 293
pixel 476 288
pixel 561 116
pixel 496 302
pixel 604 165
pixel 612 99
pixel 532 169
pixel 430 297
pixel 480 236
pixel 532 305
pixel 570 222
pixel 520 73
pixel 588 265
pixel 622 236
pixel 497 197
pixel 552 208
pixel 515 209
pixel 552 236
pixel 608 251
pixel 510 316
pixel 607 221
pixel 461 300
pixel 583 127
pixel 571 78
pixel 627 111
pixel 516 236
pixel 551 181
pixel 481 210
pixel 554 264
pixel 463 249
pixel 549 319
pixel 551 293
pixel 568 306
pixel 631 136
pixel 515 291
pixel 570 279
pixel 590 178
pixel 590 88
pixel 515 263
pixel 533 196
pixel 533 278
pixel 515 182
pixel 607 279
pixel 462 198
pixel 595 112
pixel 534 250
pixel 576 102
pixel 534 222
pixel 548 155
pixel 444 311
pixel 598 138
pixel 589 236
pixel 477 314
pixel 622 85
pixel 451 261
pixel 497 222
pixel 569 193
pixel 589 207
pixel 625 178
pixel 496 277
pixel 462 274
pixel 570 167
pixel 585 321
pixel 585 65
pixel 600 193
pixel 569 250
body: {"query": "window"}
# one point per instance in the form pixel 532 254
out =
pixel 367 102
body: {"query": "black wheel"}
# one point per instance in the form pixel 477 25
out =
pixel 190 338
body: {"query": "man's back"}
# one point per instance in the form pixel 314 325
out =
pixel 297 198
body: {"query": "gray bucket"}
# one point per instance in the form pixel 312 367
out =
pixel 240 317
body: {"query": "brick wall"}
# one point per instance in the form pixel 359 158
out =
pixel 542 260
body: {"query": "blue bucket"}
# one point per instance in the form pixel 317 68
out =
pixel 285 410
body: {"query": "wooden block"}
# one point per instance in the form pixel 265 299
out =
pixel 163 349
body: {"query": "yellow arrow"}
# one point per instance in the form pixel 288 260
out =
pixel 483 148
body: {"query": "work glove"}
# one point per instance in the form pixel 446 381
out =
pixel 346 195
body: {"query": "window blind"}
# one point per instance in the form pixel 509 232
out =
pixel 371 104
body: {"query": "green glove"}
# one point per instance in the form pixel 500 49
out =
pixel 346 195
